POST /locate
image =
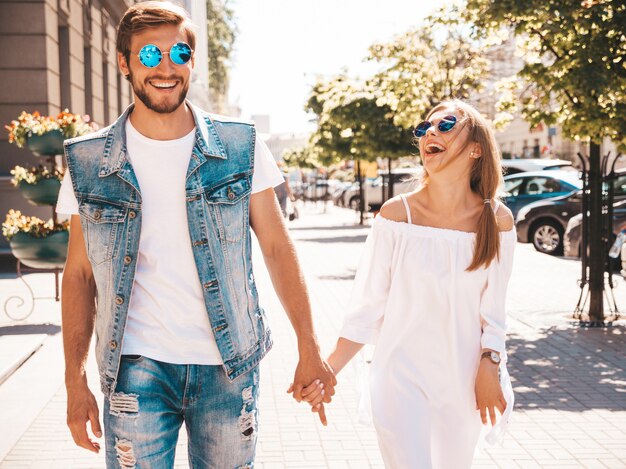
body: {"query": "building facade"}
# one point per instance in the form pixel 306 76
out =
pixel 58 54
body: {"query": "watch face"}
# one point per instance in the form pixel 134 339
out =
pixel 495 357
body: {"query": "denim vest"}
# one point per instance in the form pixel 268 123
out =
pixel 218 187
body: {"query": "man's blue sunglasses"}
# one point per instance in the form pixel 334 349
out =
pixel 150 55
pixel 445 125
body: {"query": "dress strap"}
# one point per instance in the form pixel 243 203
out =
pixel 496 206
pixel 406 207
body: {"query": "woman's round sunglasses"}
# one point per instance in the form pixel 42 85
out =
pixel 150 55
pixel 445 125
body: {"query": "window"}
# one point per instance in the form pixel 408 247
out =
pixel 619 185
pixel 512 186
pixel 542 185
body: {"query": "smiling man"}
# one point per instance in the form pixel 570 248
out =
pixel 159 264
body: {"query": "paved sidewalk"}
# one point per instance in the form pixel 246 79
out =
pixel 570 383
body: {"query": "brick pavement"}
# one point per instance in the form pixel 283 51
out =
pixel 570 383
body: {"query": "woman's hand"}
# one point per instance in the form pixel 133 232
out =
pixel 488 391
pixel 314 394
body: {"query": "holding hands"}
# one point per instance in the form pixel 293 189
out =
pixel 316 396
pixel 320 388
pixel 314 382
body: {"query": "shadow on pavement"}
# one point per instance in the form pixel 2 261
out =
pixel 346 276
pixel 338 239
pixel 570 369
pixel 26 329
pixel 329 228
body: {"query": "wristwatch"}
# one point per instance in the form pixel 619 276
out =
pixel 494 357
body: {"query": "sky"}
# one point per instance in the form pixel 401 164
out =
pixel 284 45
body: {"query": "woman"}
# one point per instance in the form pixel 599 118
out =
pixel 430 293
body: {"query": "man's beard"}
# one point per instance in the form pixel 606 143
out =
pixel 160 107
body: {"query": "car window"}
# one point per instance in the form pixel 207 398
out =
pixel 513 186
pixel 620 185
pixel 509 170
pixel 542 185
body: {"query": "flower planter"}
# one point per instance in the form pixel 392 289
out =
pixel 43 192
pixel 41 253
pixel 48 144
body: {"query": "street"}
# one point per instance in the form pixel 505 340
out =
pixel 570 382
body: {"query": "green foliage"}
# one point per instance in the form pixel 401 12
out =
pixel 438 61
pixel 221 33
pixel 303 158
pixel 354 123
pixel 575 62
pixel 368 119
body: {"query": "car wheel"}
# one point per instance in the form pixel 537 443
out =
pixel 547 237
pixel 354 203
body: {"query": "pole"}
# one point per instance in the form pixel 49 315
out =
pixel 361 193
pixel 391 181
pixel 596 245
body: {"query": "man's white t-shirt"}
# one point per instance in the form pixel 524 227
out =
pixel 167 317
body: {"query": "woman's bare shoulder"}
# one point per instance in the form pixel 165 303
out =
pixel 394 209
pixel 505 219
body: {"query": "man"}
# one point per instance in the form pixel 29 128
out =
pixel 159 264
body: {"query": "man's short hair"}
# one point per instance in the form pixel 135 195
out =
pixel 152 14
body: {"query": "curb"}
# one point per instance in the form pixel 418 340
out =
pixel 16 350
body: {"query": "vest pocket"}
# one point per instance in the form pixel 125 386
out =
pixel 226 202
pixel 101 224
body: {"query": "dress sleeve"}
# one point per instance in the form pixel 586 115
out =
pixel 370 290
pixel 493 299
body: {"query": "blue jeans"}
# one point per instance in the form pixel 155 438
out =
pixel 152 399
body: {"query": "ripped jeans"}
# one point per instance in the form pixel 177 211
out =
pixel 152 399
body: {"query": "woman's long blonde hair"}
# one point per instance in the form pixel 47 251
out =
pixel 485 179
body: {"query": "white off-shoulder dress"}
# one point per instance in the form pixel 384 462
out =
pixel 429 319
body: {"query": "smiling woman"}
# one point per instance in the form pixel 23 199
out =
pixel 430 293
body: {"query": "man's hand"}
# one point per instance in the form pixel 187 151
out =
pixel 489 395
pixel 82 408
pixel 314 395
pixel 312 367
pixel 78 314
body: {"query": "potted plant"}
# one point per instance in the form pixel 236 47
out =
pixel 35 243
pixel 39 185
pixel 44 135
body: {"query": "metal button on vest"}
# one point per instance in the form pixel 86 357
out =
pixel 119 300
pixel 97 215
pixel 127 260
pixel 113 345
pixel 231 195
pixel 132 215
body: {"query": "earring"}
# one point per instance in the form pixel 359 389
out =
pixel 472 153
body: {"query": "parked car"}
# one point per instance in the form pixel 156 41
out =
pixel 405 179
pixel 543 223
pixel 573 232
pixel 338 193
pixel 553 225
pixel 319 189
pixel 525 188
pixel 523 165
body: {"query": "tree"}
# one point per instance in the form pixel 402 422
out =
pixel 420 68
pixel 302 158
pixel 575 76
pixel 575 62
pixel 221 34
pixel 353 123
